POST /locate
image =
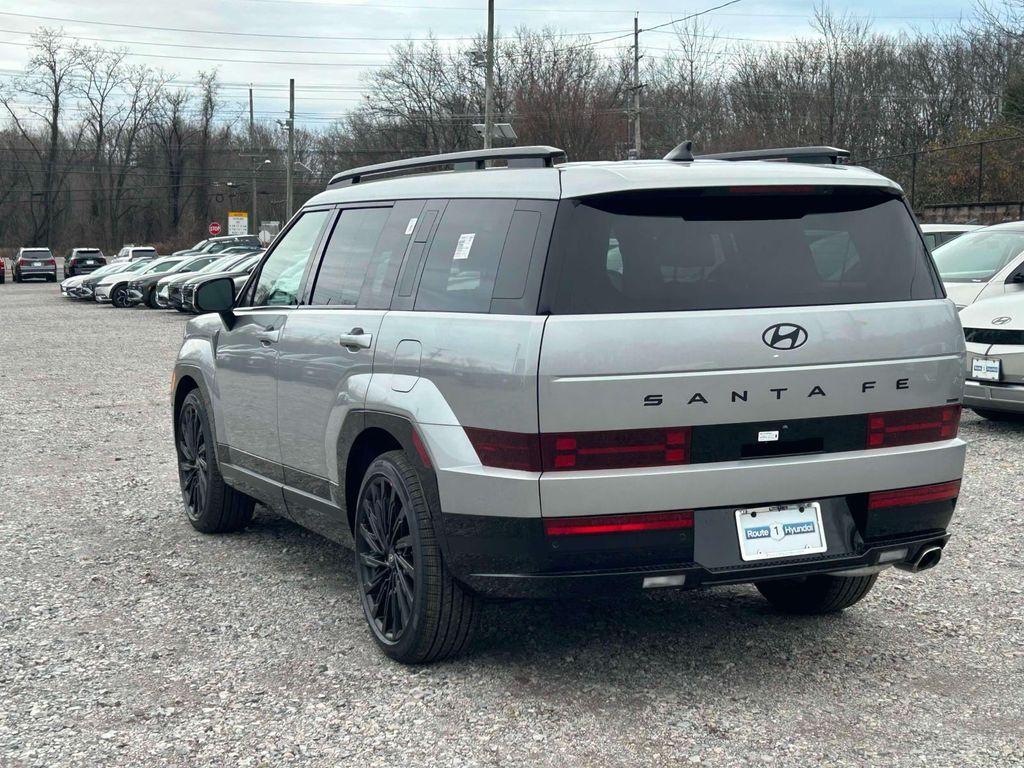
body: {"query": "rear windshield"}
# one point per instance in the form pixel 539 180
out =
pixel 977 256
pixel 731 249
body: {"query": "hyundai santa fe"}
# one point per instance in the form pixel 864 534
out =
pixel 553 379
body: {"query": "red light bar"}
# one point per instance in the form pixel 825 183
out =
pixel 921 425
pixel 907 497
pixel 639 521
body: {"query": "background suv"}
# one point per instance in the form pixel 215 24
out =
pixel 555 379
pixel 82 261
pixel 34 263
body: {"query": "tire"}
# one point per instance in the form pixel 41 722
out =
pixel 119 297
pixel 151 300
pixel 211 505
pixel 433 617
pixel 985 413
pixel 812 595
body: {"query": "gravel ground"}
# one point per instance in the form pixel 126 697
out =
pixel 128 639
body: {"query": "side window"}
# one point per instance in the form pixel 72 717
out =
pixel 280 277
pixel 463 259
pixel 379 285
pixel 348 255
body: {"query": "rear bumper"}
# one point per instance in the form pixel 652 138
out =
pixel 513 557
pixel 30 272
pixel 994 397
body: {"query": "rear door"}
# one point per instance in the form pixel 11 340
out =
pixel 327 349
pixel 731 325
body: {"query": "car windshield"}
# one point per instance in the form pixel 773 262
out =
pixel 163 265
pixel 106 270
pixel 220 265
pixel 196 264
pixel 977 256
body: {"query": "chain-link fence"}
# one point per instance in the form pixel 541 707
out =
pixel 985 172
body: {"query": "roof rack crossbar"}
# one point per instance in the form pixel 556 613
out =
pixel 816 155
pixel 473 160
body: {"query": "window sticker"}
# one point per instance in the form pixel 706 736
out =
pixel 411 225
pixel 463 246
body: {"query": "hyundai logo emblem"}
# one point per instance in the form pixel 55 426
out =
pixel 784 336
pixel 1002 320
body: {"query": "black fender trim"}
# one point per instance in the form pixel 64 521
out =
pixel 401 429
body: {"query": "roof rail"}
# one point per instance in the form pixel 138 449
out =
pixel 473 160
pixel 816 155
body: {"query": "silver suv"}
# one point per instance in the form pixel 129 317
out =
pixel 561 378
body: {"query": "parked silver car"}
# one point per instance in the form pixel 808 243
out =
pixel 561 378
pixel 982 264
pixel 940 234
pixel 994 329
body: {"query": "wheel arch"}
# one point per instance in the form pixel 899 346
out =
pixel 365 435
pixel 186 380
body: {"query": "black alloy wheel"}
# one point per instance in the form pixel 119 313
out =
pixel 417 611
pixel 119 297
pixel 387 562
pixel 193 461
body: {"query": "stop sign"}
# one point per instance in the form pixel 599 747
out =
pixel 214 228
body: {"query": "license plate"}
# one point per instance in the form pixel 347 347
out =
pixel 37 263
pixel 790 530
pixel 89 262
pixel 986 369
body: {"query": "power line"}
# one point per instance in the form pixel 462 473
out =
pixel 223 33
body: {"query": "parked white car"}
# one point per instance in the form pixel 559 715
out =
pixel 982 264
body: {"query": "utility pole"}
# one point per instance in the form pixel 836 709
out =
pixel 489 86
pixel 252 151
pixel 290 193
pixel 636 85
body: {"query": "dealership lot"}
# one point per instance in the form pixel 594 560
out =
pixel 127 638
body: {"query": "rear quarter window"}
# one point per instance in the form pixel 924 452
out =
pixel 462 263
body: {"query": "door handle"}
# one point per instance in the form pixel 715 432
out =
pixel 268 336
pixel 356 339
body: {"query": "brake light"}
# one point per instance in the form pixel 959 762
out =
pixel 640 521
pixel 616 449
pixel 907 497
pixel 508 450
pixel 613 449
pixel 921 425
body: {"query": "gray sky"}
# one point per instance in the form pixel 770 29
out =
pixel 193 34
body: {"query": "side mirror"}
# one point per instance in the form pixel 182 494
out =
pixel 216 296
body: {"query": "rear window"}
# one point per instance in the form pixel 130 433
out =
pixel 658 252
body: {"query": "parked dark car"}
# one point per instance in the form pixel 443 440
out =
pixel 171 284
pixel 87 288
pixel 239 276
pixel 221 244
pixel 82 261
pixel 142 289
pixel 34 263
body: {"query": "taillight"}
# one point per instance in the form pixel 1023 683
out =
pixel 907 497
pixel 921 425
pixel 508 450
pixel 640 521
pixel 616 449
pixel 613 449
